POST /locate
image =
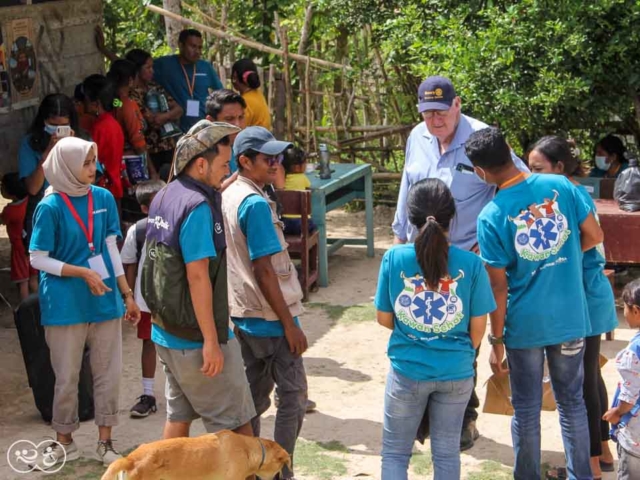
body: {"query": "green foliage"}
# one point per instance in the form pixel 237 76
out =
pixel 128 24
pixel 530 66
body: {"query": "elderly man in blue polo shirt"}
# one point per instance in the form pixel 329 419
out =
pixel 435 149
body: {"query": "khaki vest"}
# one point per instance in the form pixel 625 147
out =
pixel 245 297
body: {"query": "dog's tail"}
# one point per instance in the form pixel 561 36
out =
pixel 116 469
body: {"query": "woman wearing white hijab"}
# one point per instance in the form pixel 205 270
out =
pixel 75 229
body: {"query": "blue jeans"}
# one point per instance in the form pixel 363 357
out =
pixel 567 374
pixel 405 402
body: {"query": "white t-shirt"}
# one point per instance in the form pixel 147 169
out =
pixel 129 256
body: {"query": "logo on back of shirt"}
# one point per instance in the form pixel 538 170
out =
pixel 427 310
pixel 541 230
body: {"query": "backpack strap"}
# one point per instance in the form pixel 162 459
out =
pixel 141 234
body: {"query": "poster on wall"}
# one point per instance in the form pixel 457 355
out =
pixel 5 82
pixel 22 64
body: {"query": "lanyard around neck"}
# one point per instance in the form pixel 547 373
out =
pixel 191 85
pixel 86 229
pixel 511 181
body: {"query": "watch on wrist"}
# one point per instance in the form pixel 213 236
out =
pixel 127 294
pixel 493 340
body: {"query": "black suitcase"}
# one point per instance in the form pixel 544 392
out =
pixel 38 363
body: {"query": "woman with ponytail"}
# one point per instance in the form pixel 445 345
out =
pixel 434 297
pixel 553 154
pixel 245 79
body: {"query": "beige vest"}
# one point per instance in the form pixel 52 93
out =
pixel 245 297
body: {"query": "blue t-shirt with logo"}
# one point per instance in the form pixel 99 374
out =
pixel 169 73
pixel 254 218
pixel 195 245
pixel 600 299
pixel 68 300
pixel 430 339
pixel 533 231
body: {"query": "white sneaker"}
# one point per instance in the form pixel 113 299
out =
pixel 56 453
pixel 106 454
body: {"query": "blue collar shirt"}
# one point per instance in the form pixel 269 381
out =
pixel 471 194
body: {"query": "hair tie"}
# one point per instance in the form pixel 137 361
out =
pixel 117 102
pixel 245 75
pixel 431 218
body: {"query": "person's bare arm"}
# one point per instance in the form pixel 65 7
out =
pixel 477 327
pixel 591 234
pixel 268 282
pixel 613 415
pixel 202 298
pixel 499 286
pixel 131 271
pixel 385 319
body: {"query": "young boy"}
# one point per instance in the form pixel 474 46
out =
pixel 626 402
pixel 132 252
pixel 13 217
pixel 295 165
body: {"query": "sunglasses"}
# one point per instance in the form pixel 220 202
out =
pixel 273 160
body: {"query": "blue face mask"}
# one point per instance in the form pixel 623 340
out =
pixel 50 129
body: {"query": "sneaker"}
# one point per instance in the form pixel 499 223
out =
pixel 56 453
pixel 146 405
pixel 469 436
pixel 105 453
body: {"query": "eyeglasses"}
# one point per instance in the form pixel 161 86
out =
pixel 429 114
pixel 273 160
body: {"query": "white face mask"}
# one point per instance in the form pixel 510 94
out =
pixel 601 163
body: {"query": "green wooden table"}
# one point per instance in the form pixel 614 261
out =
pixel 348 182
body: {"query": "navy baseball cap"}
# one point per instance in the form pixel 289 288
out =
pixel 435 93
pixel 259 139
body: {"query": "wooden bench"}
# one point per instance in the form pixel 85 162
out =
pixel 304 246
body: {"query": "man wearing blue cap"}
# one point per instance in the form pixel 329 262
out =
pixel 435 149
pixel 264 292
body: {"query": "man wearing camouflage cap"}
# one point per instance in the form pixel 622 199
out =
pixel 184 282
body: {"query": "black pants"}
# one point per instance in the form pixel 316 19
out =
pixel 595 395
pixel 471 413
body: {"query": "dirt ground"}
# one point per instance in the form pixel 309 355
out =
pixel 346 367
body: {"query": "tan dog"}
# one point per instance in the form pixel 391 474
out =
pixel 217 456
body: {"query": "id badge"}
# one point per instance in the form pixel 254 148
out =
pixel 193 108
pixel 96 263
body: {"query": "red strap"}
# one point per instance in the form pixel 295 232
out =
pixel 88 232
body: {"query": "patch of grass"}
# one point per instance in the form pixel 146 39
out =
pixel 312 458
pixel 421 463
pixel 491 470
pixel 363 312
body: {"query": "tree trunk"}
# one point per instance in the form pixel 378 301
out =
pixel 173 27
